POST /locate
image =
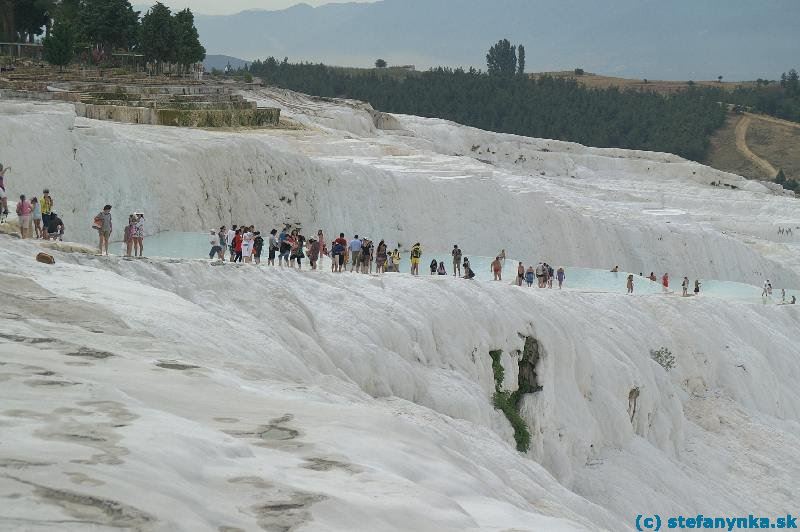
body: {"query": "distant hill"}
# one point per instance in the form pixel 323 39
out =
pixel 220 61
pixel 679 39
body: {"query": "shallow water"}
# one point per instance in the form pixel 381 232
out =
pixel 195 246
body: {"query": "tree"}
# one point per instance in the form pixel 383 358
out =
pixel 579 72
pixel 520 60
pixel 157 34
pixel 380 63
pixel 781 177
pixel 109 23
pixel 719 79
pixel 791 81
pixel 502 59
pixel 188 49
pixel 7 21
pixel 59 46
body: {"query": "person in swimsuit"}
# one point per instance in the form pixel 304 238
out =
pixel 497 268
pixel 520 274
pixel 630 283
pixel 560 276
pixel 530 274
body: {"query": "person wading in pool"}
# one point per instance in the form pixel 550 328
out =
pixel 497 269
pixel 456 260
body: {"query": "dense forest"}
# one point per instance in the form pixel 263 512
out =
pixel 511 102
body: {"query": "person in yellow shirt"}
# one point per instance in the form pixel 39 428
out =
pixel 416 254
pixel 395 260
pixel 47 209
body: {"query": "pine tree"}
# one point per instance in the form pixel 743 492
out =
pixel 520 60
pixel 109 23
pixel 187 41
pixel 380 63
pixel 157 34
pixel 59 46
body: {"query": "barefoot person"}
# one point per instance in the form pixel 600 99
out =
pixel 24 210
pixel 497 268
pixel 416 254
pixel 102 222
pixel 630 283
pixel 456 261
pixel 3 195
pixel 138 234
pixel 520 274
pixel 560 276
pixel 665 282
pixel 127 235
pixel 47 210
pixel 685 286
pixel 36 216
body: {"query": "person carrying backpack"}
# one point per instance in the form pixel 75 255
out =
pixel 416 254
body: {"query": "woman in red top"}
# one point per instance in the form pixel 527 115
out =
pixel 237 246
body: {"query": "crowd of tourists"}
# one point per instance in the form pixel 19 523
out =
pixel 37 219
pixel 35 216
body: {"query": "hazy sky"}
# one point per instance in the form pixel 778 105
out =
pixel 218 7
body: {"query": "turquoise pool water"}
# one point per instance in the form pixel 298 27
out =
pixel 195 246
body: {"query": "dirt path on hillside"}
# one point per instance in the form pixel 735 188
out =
pixel 741 145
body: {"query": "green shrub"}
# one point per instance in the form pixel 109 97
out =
pixel 508 403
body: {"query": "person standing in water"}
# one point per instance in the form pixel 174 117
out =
pixel 685 286
pixel 213 239
pixel 47 209
pixel 630 283
pixel 416 255
pixel 3 195
pixel 355 253
pixel 696 286
pixel 497 268
pixel 529 276
pixel 104 226
pixel 665 282
pixel 258 245
pixel 502 256
pixel 127 235
pixel 138 235
pixel 560 276
pixel 313 253
pixel 395 261
pixel 653 277
pixel 520 274
pixel 456 260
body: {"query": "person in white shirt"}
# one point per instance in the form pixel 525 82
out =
pixel 216 249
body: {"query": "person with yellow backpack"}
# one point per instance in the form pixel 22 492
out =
pixel 416 254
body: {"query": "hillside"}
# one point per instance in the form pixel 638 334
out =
pixel 178 394
pixel 756 146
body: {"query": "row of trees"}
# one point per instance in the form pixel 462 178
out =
pixel 505 60
pixel 104 26
pixel 776 99
pixel 545 107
